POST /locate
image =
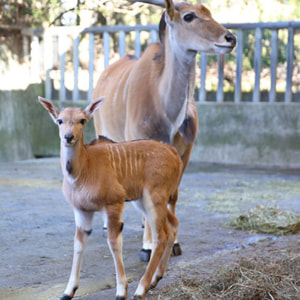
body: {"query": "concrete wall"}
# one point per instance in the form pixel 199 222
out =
pixel 26 129
pixel 15 123
pixel 248 133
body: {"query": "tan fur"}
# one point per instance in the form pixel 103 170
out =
pixel 101 176
pixel 152 97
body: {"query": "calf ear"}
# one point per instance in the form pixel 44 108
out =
pixel 50 107
pixel 92 107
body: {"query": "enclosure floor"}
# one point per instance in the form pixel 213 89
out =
pixel 37 228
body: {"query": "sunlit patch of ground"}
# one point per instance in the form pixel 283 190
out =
pixel 30 182
pixel 238 195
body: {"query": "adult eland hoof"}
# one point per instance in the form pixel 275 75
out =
pixel 176 251
pixel 66 297
pixel 120 298
pixel 145 255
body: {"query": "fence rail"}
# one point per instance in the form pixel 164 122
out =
pixel 54 40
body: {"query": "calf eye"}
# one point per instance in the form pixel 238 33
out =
pixel 59 121
pixel 189 17
pixel 82 121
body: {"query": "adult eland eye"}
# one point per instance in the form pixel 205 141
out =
pixel 59 121
pixel 82 121
pixel 189 17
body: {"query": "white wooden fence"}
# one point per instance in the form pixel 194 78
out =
pixel 45 45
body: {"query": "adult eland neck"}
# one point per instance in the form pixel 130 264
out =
pixel 178 79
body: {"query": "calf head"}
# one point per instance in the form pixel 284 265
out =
pixel 70 120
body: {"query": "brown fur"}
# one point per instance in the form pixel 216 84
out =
pixel 152 97
pixel 102 175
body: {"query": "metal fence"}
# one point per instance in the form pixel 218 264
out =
pixel 54 44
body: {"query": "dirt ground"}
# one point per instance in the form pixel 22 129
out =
pixel 37 228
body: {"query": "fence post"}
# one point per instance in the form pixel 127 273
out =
pixel 239 66
pixel 202 90
pixel 274 58
pixel 137 44
pixel 35 59
pixel 289 68
pixel 48 62
pixel 220 92
pixel 121 43
pixel 106 40
pixel 91 66
pixel 75 94
pixel 257 64
pixel 153 35
pixel 62 65
pixel 25 48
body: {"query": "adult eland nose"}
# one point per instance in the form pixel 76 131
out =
pixel 230 38
pixel 69 137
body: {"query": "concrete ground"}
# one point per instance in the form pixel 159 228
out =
pixel 37 228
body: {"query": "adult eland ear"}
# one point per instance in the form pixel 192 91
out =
pixel 170 8
pixel 50 107
pixel 92 107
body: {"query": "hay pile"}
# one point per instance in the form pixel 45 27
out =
pixel 250 279
pixel 269 220
pixel 259 279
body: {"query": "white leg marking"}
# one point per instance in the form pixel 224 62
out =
pixel 116 252
pixel 140 290
pixel 83 222
pixel 83 219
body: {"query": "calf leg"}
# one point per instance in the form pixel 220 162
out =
pixel 173 227
pixel 156 215
pixel 114 239
pixel 83 222
pixel 159 244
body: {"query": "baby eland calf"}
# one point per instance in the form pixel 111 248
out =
pixel 103 175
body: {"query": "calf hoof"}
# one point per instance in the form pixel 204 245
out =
pixel 137 297
pixel 66 297
pixel 145 255
pixel 154 284
pixel 176 251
